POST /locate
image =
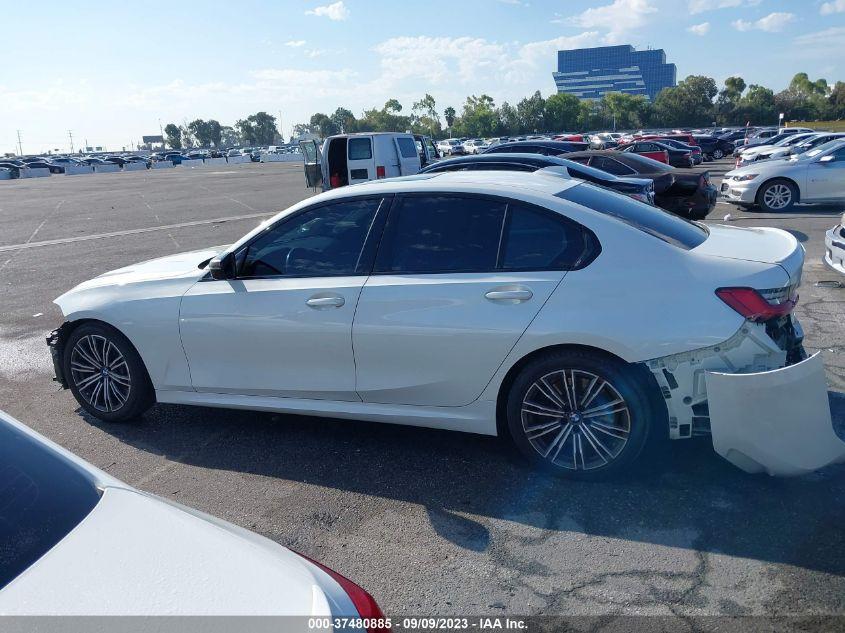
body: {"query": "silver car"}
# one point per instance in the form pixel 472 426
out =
pixel 834 247
pixel 816 176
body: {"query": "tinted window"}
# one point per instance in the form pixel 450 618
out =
pixel 437 169
pixel 487 166
pixel 437 234
pixel 538 240
pixel 652 220
pixel 611 166
pixel 406 147
pixel 42 498
pixel 360 149
pixel 324 241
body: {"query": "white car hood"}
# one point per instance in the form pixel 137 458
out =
pixel 765 245
pixel 162 268
pixel 135 554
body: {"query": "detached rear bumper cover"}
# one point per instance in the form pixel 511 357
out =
pixel 776 421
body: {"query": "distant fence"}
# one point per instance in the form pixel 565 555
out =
pixel 162 164
pixel 74 170
pixel 134 166
pixel 280 158
pixel 34 172
pixel 238 160
pixel 106 168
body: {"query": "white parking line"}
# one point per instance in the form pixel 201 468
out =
pixel 100 236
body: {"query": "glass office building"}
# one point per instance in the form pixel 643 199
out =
pixel 589 73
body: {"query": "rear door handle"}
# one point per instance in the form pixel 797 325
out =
pixel 325 302
pixel 509 296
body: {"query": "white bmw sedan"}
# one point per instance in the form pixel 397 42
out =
pixel 574 320
pixel 76 541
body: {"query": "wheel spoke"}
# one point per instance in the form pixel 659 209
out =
pixel 541 429
pixel 85 355
pixel 88 381
pixel 601 414
pixel 538 409
pixel 100 373
pixel 602 407
pixel 84 367
pixel 544 387
pixel 608 430
pixel 559 441
pixel 600 449
pixel 591 394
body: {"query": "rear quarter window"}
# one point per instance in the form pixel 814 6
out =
pixel 646 218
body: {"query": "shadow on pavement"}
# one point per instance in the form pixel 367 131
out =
pixel 457 476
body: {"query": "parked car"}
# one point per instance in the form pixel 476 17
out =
pixel 834 247
pixel 605 140
pixel 476 146
pixel 451 147
pixel 347 159
pixel 77 541
pixel 638 188
pixel 540 146
pixel 750 153
pixel 800 145
pixel 816 176
pixel 770 137
pixel 694 150
pixel 685 192
pixel 660 152
pixel 233 152
pixel 536 273
pixel 138 159
pixel 14 167
pixel 44 164
pixel 683 137
pixel 116 160
pixel 714 147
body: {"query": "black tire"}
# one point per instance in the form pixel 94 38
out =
pixel 766 195
pixel 140 394
pixel 640 425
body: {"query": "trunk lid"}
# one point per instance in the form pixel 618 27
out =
pixel 763 245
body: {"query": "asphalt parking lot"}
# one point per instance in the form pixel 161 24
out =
pixel 429 522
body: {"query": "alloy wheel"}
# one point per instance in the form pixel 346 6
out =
pixel 576 419
pixel 717 154
pixel 777 196
pixel 100 373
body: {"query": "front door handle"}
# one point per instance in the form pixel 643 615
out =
pixel 318 303
pixel 510 296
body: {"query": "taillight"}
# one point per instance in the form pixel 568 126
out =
pixel 753 306
pixel 380 171
pixel 365 604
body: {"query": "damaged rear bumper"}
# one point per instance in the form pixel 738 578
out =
pixel 776 421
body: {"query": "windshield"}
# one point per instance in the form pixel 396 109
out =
pixel 821 149
pixel 42 498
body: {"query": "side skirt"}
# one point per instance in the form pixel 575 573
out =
pixel 478 417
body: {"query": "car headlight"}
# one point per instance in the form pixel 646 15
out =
pixel 745 177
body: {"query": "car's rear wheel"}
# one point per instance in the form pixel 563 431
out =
pixel 105 373
pixel 580 415
pixel 718 154
pixel 777 195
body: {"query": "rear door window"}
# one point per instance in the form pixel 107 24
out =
pixel 42 498
pixel 648 219
pixel 441 234
pixel 536 239
pixel 360 149
pixel 611 166
pixel 406 147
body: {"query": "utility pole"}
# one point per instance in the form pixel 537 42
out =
pixel 20 149
pixel 70 135
pixel 281 129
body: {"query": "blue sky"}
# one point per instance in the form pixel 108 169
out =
pixel 110 70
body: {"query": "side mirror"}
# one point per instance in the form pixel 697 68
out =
pixel 827 159
pixel 221 268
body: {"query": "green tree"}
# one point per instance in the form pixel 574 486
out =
pixel 624 111
pixel 393 106
pixel 174 135
pixel 344 121
pixel 479 116
pixel 728 100
pixel 562 112
pixel 257 129
pixel 449 114
pixel 229 136
pixel 837 100
pixel 508 119
pixel 688 103
pixel 323 125
pixel 215 132
pixel 530 112
pixel 424 117
pixel 757 106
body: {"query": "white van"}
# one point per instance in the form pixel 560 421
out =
pixel 347 159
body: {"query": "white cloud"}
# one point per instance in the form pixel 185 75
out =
pixel 829 8
pixel 700 6
pixel 617 18
pixel 772 23
pixel 700 29
pixel 336 11
pixel 819 45
pixel 295 43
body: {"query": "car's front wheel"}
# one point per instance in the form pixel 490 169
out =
pixel 777 195
pixel 718 154
pixel 105 373
pixel 581 415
